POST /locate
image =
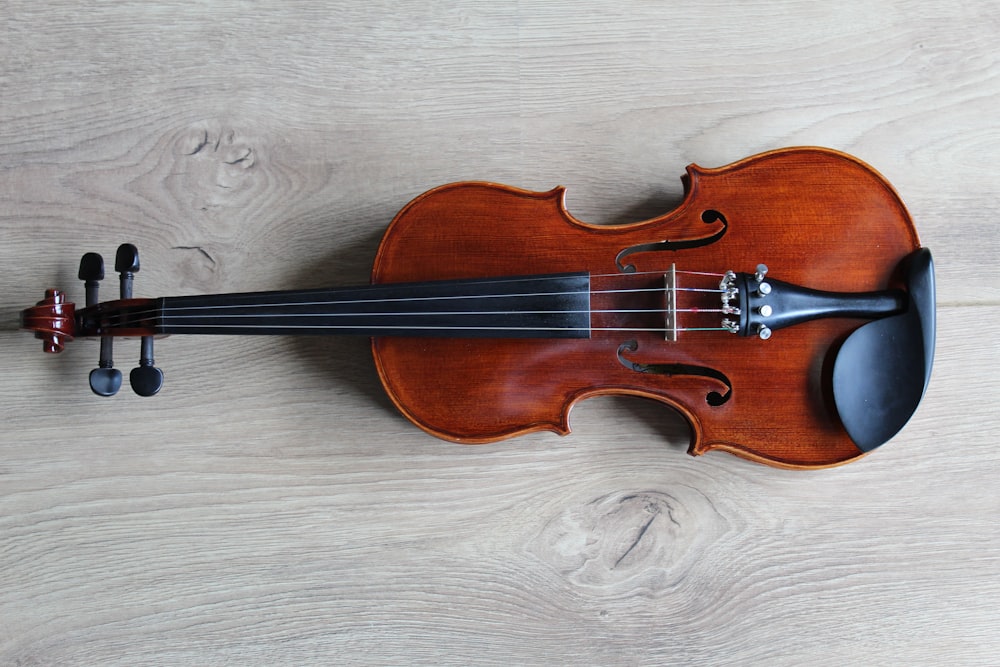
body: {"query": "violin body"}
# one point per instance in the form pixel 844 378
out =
pixel 814 216
pixel 493 311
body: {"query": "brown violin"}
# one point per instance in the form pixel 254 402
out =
pixel 785 308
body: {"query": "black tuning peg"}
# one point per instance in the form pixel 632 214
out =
pixel 146 379
pixel 92 273
pixel 105 380
pixel 127 265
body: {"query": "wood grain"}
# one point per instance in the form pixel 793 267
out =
pixel 271 507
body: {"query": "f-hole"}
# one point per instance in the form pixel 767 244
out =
pixel 708 216
pixel 713 398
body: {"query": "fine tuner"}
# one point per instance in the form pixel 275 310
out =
pixel 765 306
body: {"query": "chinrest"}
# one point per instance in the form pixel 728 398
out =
pixel 882 369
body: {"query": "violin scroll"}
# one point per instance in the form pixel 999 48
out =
pixel 53 319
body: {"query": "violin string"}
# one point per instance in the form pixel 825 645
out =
pixel 602 311
pixel 654 273
pixel 175 325
pixel 178 326
pixel 173 317
pixel 166 311
pixel 335 302
pixel 443 328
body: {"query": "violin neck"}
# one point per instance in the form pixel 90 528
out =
pixel 544 306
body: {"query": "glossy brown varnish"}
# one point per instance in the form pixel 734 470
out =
pixel 816 217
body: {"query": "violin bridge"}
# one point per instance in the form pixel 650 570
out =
pixel 670 309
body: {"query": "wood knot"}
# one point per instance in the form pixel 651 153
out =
pixel 215 166
pixel 646 539
pixel 198 267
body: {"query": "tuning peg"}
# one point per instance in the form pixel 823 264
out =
pixel 127 264
pixel 92 273
pixel 146 379
pixel 105 380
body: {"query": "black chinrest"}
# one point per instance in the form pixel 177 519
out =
pixel 882 369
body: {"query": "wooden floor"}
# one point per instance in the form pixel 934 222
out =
pixel 271 507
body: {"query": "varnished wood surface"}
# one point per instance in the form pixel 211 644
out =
pixel 476 230
pixel 271 507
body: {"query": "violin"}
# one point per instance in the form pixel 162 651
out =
pixel 785 308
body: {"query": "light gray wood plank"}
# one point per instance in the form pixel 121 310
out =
pixel 271 507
